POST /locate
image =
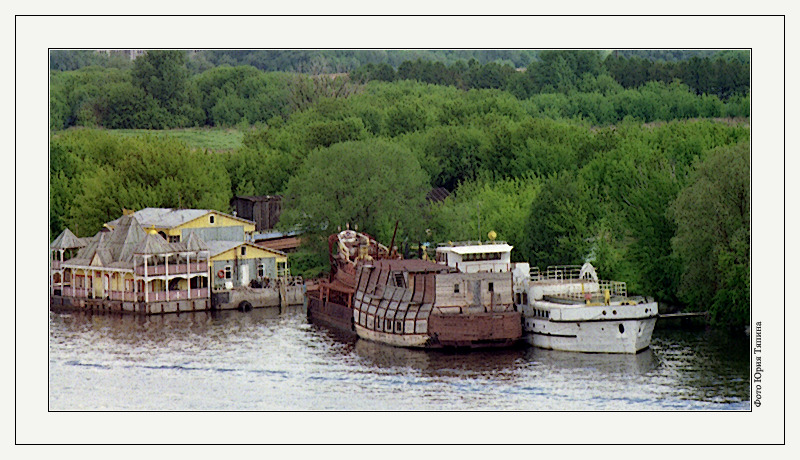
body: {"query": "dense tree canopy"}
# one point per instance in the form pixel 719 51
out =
pixel 93 175
pixel 712 215
pixel 372 184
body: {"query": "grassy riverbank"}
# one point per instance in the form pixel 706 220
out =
pixel 212 139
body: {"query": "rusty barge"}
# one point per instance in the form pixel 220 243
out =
pixel 373 293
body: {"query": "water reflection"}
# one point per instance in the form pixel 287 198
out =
pixel 270 359
pixel 473 362
pixel 640 363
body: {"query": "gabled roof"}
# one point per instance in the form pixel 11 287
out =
pixel 67 240
pixel 171 218
pixel 216 248
pixel 195 243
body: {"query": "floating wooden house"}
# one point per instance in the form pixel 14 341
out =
pixel 160 260
pixel 130 270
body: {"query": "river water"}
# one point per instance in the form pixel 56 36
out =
pixel 268 360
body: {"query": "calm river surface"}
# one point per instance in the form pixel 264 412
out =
pixel 265 360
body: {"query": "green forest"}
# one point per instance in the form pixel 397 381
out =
pixel 639 164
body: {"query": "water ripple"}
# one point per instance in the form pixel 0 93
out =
pixel 262 360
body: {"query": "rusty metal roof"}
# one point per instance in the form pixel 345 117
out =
pixel 410 265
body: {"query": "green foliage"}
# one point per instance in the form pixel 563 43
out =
pixel 76 59
pixel 724 75
pixel 311 258
pixel 370 183
pixel 226 95
pixel 501 205
pixel 162 75
pixel 94 175
pixel 561 70
pixel 712 239
pixel 558 226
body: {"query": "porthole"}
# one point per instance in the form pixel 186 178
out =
pixel 614 312
pixel 621 329
pixel 604 312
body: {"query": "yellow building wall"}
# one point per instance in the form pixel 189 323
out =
pixel 253 252
pixel 220 220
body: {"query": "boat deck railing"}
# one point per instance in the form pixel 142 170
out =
pixel 556 274
pixel 451 244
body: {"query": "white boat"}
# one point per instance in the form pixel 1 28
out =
pixel 568 308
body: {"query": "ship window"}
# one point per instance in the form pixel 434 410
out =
pixel 398 326
pixel 456 288
pixel 388 325
pixel 244 250
pixel 399 281
pixel 491 287
pixel 227 272
pixel 260 270
pixel 211 220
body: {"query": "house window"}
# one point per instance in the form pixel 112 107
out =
pixel 260 270
pixel 456 288
pixel 211 220
pixel 228 274
pixel 491 287
pixel 175 239
pixel 244 250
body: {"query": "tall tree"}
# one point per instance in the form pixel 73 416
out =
pixel 712 216
pixel 162 74
pixel 369 183
pixel 558 229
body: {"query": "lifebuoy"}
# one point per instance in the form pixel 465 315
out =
pixel 221 273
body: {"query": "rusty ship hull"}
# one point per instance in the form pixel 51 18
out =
pixel 410 303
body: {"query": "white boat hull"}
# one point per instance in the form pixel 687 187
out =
pixel 621 329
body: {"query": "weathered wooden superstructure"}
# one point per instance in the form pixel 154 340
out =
pixel 413 303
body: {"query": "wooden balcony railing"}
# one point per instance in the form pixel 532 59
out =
pixel 177 269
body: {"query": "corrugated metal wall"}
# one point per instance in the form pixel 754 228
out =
pixel 232 233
